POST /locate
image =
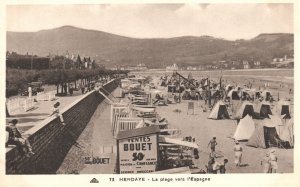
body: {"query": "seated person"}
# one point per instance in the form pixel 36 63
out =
pixel 210 164
pixel 15 138
pixel 55 112
pixel 222 167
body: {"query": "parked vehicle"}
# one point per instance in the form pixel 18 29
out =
pixel 35 87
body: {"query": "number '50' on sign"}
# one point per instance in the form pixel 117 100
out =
pixel 137 156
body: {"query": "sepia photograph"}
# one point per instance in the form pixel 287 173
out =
pixel 149 88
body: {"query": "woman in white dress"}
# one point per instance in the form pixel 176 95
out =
pixel 238 152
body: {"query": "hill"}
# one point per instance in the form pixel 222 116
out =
pixel 110 49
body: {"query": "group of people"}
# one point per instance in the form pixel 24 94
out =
pixel 87 87
pixel 15 137
pixel 213 166
pixel 269 161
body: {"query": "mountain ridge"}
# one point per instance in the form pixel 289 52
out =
pixel 111 49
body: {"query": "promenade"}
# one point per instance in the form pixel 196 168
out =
pixel 41 110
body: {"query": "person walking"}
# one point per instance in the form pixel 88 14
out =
pixel 212 143
pixel 273 161
pixel 238 152
pixel 15 138
pixel 266 162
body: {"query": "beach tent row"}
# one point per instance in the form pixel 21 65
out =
pixel 264 108
pixel 268 131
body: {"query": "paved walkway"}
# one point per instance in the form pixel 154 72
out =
pixel 41 111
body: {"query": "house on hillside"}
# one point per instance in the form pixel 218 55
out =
pixel 235 65
pixel 246 64
pixel 191 68
pixel 141 67
pixel 201 67
pixel 79 64
pixel 208 66
pixel 88 64
pixel 256 64
pixel 173 67
pixel 287 62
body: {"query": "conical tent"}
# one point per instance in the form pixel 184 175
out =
pixel 283 108
pixel 245 109
pixel 228 87
pixel 233 95
pixel 219 111
pixel 266 95
pixel 264 110
pixel 287 132
pixel 244 129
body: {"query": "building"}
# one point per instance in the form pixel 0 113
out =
pixel 201 67
pixel 246 64
pixel 283 62
pixel 173 67
pixel 141 67
pixel 191 68
pixel 256 64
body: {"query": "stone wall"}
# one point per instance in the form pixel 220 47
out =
pixel 51 141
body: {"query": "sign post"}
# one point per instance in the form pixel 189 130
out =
pixel 138 150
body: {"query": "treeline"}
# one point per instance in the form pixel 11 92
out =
pixel 14 60
pixel 17 80
pixel 19 61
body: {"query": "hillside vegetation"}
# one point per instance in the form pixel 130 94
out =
pixel 110 49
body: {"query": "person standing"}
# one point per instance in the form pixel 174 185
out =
pixel 266 162
pixel 29 92
pixel 82 88
pixel 273 161
pixel 15 138
pixel 238 152
pixel 71 89
pixel 213 144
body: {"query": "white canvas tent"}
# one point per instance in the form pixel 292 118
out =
pixel 266 94
pixel 244 129
pixel 264 109
pixel 228 87
pixel 219 111
pixel 264 133
pixel 233 95
pixel 246 108
pixel 287 132
pixel 284 108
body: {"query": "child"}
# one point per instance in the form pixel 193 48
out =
pixel 55 111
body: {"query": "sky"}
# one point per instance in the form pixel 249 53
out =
pixel 229 21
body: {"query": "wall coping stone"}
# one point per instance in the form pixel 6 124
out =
pixel 46 121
